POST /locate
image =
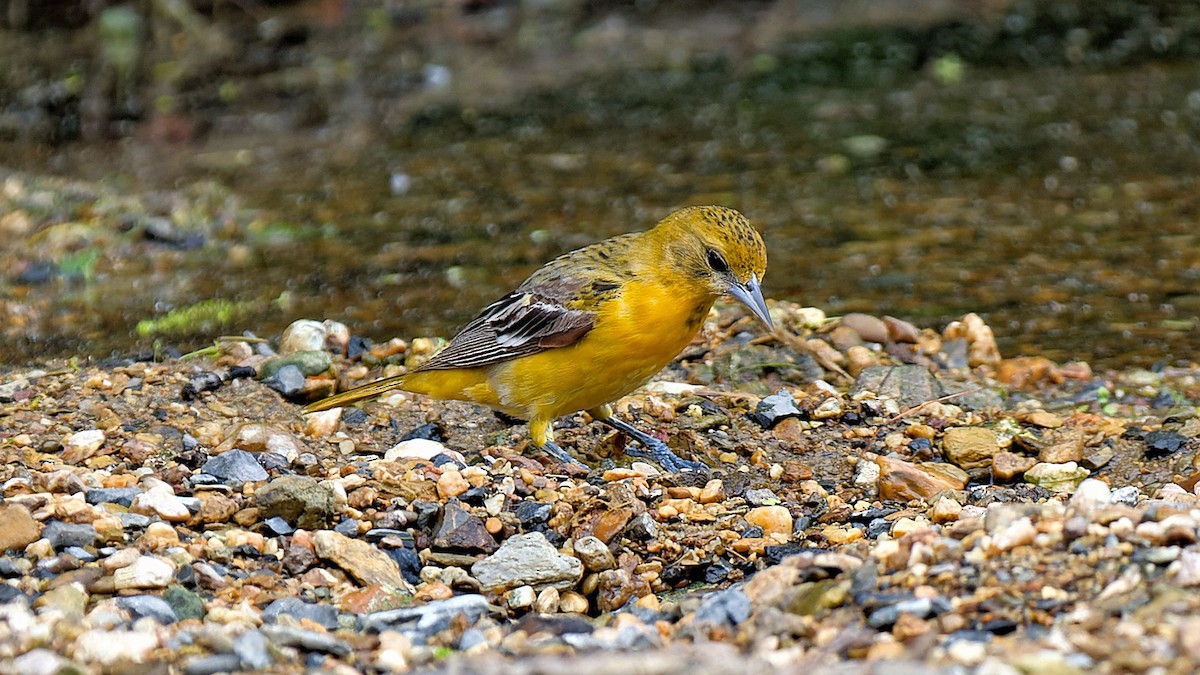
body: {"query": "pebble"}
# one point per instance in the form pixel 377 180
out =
pixel 235 467
pixel 18 529
pixel 161 501
pixel 145 572
pixel 902 480
pixel 774 408
pixel 595 554
pixel 729 607
pixel 361 560
pixel 970 447
pixel 462 530
pixel 251 650
pixel 150 606
pixel 302 501
pixel 64 535
pixel 527 559
pixel 320 614
pixel 82 445
pixel 110 647
pixel 775 521
pixel 1056 477
pixel 419 448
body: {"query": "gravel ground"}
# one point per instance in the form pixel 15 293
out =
pixel 882 498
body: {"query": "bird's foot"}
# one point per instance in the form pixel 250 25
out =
pixel 654 449
pixel 551 448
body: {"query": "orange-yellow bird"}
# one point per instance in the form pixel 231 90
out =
pixel 594 324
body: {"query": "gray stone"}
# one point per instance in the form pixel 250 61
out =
pixel 761 497
pixel 300 500
pixel 311 640
pixel 325 615
pixel 775 408
pixel 210 665
pixel 909 385
pixel 887 615
pixel 251 650
pixel 61 535
pixel 148 606
pixel 527 559
pixel 729 607
pixel 121 496
pixel 235 467
pixel 430 618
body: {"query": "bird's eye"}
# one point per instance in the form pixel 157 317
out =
pixel 717 262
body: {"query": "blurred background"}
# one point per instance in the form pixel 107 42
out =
pixel 171 170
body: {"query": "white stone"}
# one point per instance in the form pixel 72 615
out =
pixel 421 448
pixel 1090 497
pixel 161 501
pixel 521 597
pixel 1018 533
pixel 145 572
pixel 108 647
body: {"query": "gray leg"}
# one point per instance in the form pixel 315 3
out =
pixel 654 449
pixel 551 448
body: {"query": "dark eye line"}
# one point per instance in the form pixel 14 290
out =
pixel 717 261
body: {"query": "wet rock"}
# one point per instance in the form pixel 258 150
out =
pixel 300 500
pixel 82 445
pixel 150 606
pixel 62 535
pixel 301 363
pixel 642 528
pixel 461 530
pixel 18 529
pixel 903 480
pixel 527 560
pixel 1008 466
pixel 970 447
pixel 323 615
pixel 361 560
pixel 235 467
pixel 1159 443
pixel 199 382
pixel 868 328
pixel 774 408
pixel 1096 457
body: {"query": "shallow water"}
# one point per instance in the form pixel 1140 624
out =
pixel 1058 203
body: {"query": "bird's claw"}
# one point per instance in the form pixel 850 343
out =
pixel 561 455
pixel 654 449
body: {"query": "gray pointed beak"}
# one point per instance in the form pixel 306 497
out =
pixel 750 295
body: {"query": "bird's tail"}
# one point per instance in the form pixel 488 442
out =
pixel 357 394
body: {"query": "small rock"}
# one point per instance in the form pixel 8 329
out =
pixel 1062 445
pixel 903 480
pixel 251 650
pixel 970 447
pixel 122 496
pixel 452 484
pixel 235 467
pixel 547 601
pixel 868 328
pixel 82 445
pixel 527 559
pixel 1162 442
pixel 461 530
pixel 361 560
pixel 39 662
pixel 184 603
pixel 300 500
pixel 288 380
pixel 324 615
pixel 887 615
pixel 150 606
pixel 1007 466
pixel 110 647
pixel 18 529
pixel 761 497
pixel 1056 477
pixel 145 572
pixel 594 554
pixel 161 501
pixel 303 335
pixel 1018 533
pixel 310 640
pixel 430 618
pixel 421 448
pixel 729 607
pixel 1090 497
pixel 642 527
pixel 774 520
pixel 521 597
pixel 946 510
pixel 571 602
pixel 261 438
pixel 778 406
pixel 908 385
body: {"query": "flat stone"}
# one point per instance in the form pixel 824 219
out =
pixel 150 606
pixel 251 650
pixel 145 572
pixel 421 448
pixel 903 480
pixel 63 535
pixel 430 618
pixel 18 529
pixel 775 408
pixel 729 607
pixel 970 447
pixel 82 445
pixel 595 554
pixel 361 560
pixel 1007 466
pixel 300 500
pixel 122 496
pixel 311 640
pixel 527 560
pixel 1062 445
pixel 161 501
pixel 1056 477
pixel 461 530
pixel 184 603
pixel 908 385
pixel 324 615
pixel 110 647
pixel 235 467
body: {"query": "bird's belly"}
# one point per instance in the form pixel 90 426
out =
pixel 626 349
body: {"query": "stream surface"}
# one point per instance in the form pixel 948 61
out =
pixel 1059 203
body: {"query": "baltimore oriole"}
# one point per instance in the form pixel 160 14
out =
pixel 594 324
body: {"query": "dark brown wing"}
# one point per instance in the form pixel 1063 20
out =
pixel 533 318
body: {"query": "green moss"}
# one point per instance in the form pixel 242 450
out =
pixel 203 316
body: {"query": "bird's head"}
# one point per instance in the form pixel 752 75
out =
pixel 717 247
